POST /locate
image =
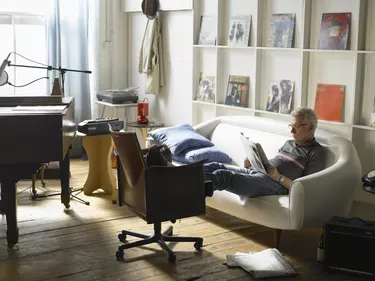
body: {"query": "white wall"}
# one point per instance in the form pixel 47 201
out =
pixel 173 104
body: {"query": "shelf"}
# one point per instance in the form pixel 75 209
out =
pixel 330 51
pixel 304 63
pixel 362 127
pixel 204 103
pixel 205 46
pixel 279 49
pixel 235 107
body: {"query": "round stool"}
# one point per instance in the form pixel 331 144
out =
pixel 100 176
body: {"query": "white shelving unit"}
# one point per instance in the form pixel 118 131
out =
pixel 304 63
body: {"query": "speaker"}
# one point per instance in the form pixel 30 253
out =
pixel 349 245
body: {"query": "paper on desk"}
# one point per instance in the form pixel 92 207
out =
pixel 267 263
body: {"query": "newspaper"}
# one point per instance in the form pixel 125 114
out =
pixel 256 155
pixel 264 264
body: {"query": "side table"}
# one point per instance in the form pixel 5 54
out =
pixel 145 128
pixel 100 176
pixel 126 106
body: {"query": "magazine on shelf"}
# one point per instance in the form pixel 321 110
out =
pixel 255 154
pixel 329 101
pixel 263 264
pixel 280 96
pixel 237 90
pixel 282 30
pixel 334 31
pixel 208 30
pixel 239 31
pixel 206 88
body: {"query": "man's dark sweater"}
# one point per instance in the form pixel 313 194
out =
pixel 295 161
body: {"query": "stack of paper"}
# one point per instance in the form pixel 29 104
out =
pixel 267 263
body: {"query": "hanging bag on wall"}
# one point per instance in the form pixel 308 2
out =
pixel 150 8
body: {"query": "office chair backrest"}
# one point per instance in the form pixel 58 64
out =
pixel 133 164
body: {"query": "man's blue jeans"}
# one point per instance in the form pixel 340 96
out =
pixel 241 181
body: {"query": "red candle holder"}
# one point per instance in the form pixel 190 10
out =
pixel 143 112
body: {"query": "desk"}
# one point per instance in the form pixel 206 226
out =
pixel 143 129
pixel 126 106
pixel 100 176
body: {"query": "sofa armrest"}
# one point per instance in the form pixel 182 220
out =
pixel 317 197
pixel 174 192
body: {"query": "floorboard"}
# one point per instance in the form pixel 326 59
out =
pixel 80 244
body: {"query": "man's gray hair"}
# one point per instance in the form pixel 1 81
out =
pixel 307 113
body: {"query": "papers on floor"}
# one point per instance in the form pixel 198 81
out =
pixel 267 263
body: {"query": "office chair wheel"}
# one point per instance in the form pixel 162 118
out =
pixel 172 258
pixel 122 237
pixel 198 245
pixel 120 255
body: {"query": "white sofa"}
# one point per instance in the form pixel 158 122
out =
pixel 312 199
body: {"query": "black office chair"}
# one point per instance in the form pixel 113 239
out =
pixel 157 194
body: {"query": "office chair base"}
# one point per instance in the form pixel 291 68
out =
pixel 158 237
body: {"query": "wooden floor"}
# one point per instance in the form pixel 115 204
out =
pixel 80 244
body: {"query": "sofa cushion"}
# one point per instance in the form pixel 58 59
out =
pixel 207 154
pixel 179 138
pixel 226 137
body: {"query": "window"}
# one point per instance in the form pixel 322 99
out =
pixel 25 34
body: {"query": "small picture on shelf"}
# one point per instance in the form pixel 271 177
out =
pixel 282 30
pixel 372 116
pixel 208 31
pixel 237 90
pixel 334 31
pixel 206 88
pixel 273 102
pixel 280 97
pixel 329 101
pixel 239 31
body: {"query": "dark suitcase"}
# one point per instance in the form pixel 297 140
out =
pixel 349 245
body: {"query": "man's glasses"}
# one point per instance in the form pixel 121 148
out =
pixel 295 126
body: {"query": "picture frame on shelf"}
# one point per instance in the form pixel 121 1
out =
pixel 237 91
pixel 239 31
pixel 206 88
pixel 334 31
pixel 208 31
pixel 282 30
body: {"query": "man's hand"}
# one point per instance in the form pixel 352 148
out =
pixel 246 163
pixel 274 173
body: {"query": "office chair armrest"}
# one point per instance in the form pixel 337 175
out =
pixel 174 192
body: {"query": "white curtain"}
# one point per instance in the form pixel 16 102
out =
pixel 73 43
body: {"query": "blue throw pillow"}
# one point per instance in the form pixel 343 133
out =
pixel 208 154
pixel 179 138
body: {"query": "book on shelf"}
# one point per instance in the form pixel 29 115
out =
pixel 237 90
pixel 206 88
pixel 282 30
pixel 329 101
pixel 280 96
pixel 208 30
pixel 255 154
pixel 263 264
pixel 334 31
pixel 239 31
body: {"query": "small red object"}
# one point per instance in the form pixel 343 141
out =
pixel 143 112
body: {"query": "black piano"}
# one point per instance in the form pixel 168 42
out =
pixel 33 130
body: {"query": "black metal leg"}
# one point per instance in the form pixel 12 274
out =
pixel 64 178
pixel 136 234
pixel 9 198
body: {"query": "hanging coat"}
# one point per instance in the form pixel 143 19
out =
pixel 151 57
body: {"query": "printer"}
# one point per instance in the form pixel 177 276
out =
pixel 128 95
